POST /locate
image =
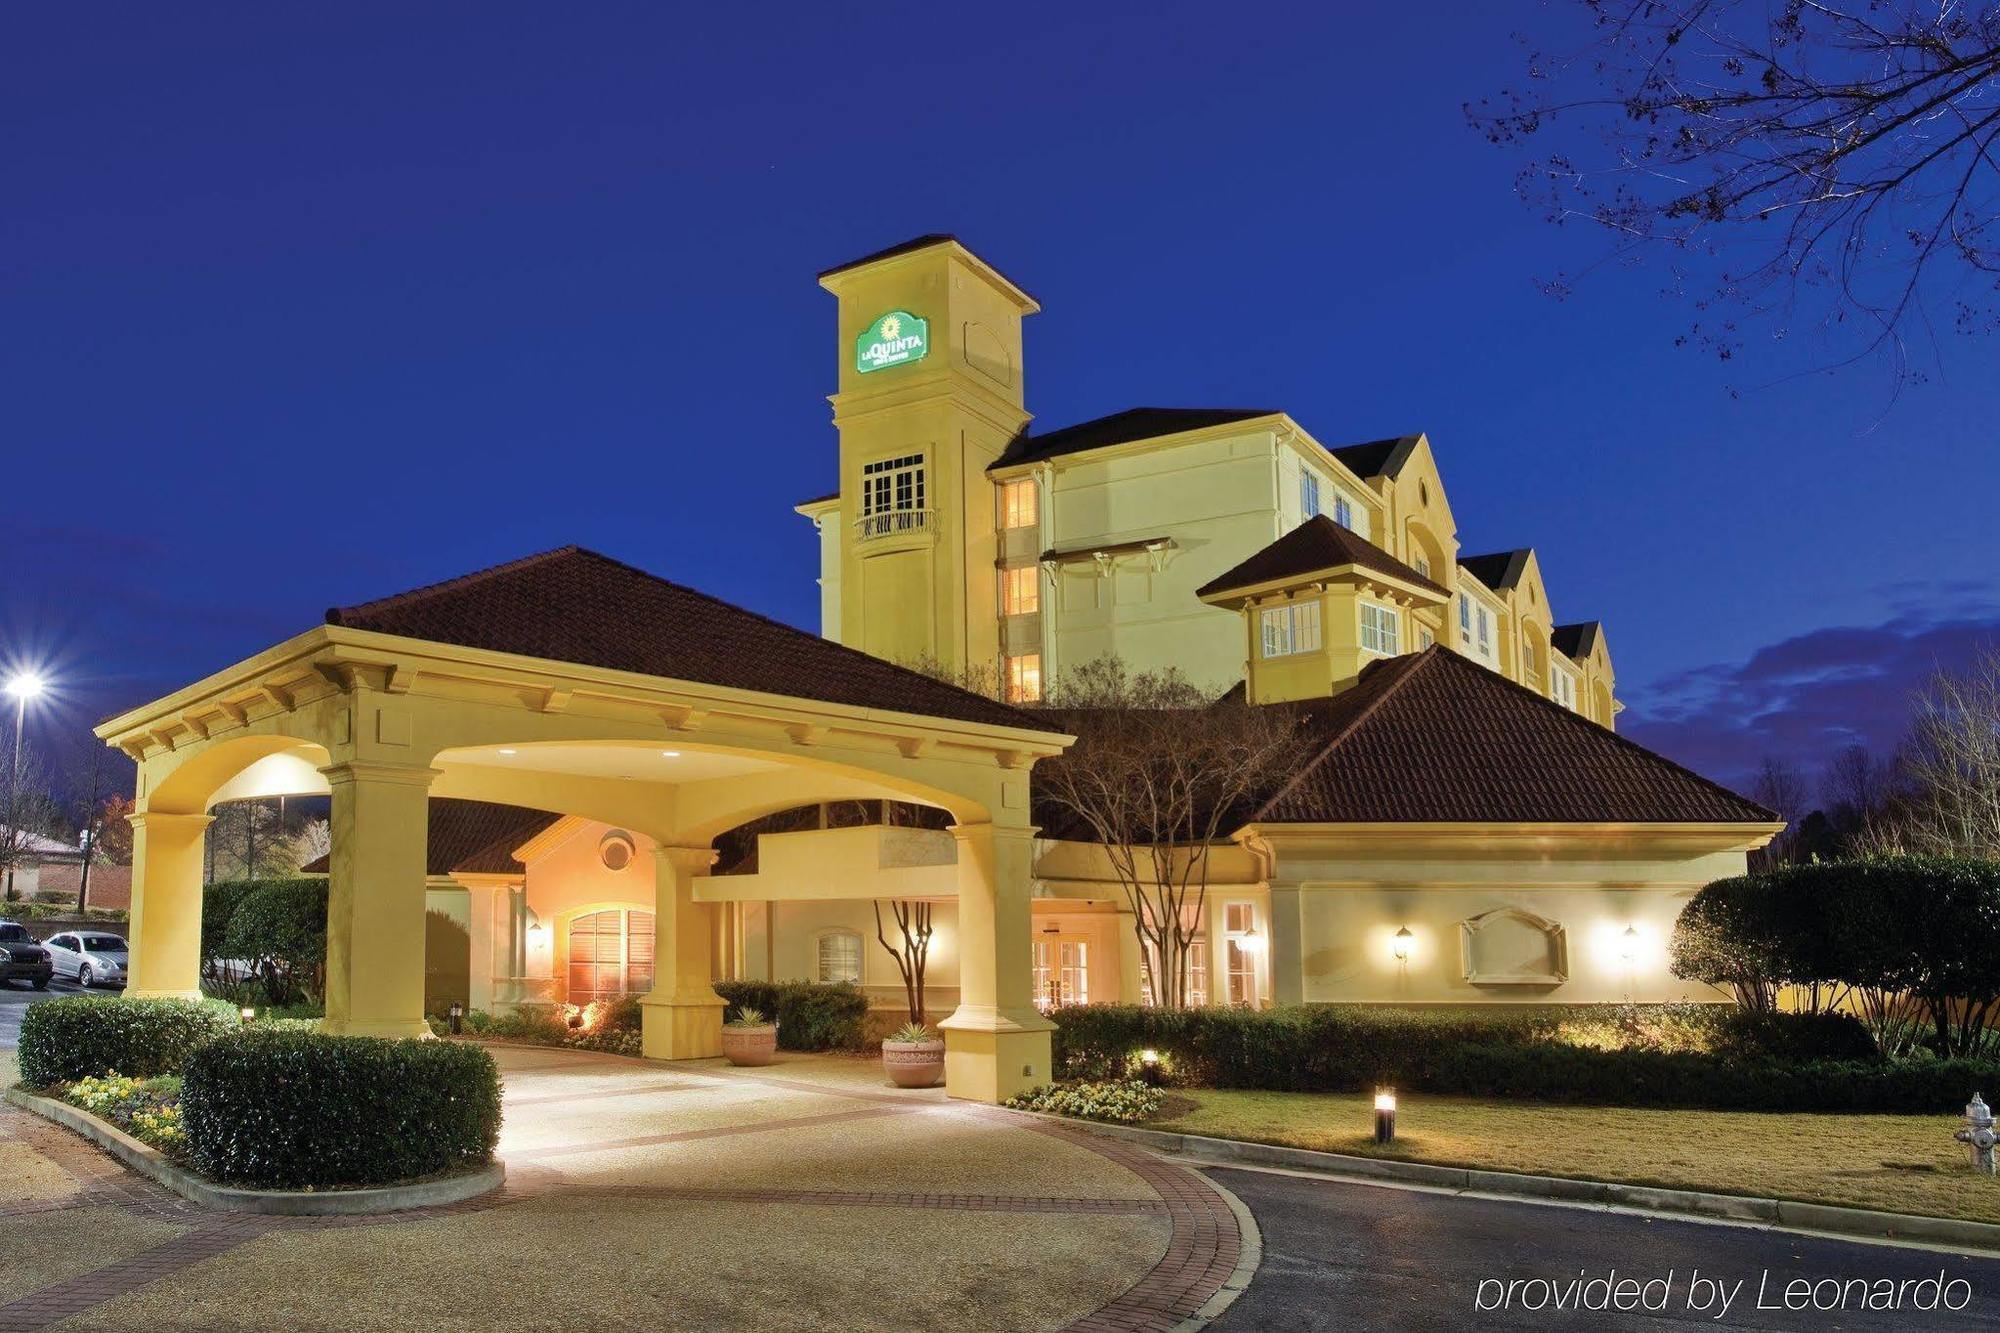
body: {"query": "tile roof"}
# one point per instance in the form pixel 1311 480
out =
pixel 472 836
pixel 1317 544
pixel 1433 737
pixel 1137 423
pixel 574 605
pixel 1499 571
pixel 1576 641
pixel 1377 458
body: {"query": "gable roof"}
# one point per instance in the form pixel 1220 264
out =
pixel 1576 641
pixel 574 605
pixel 1500 570
pixel 1377 458
pixel 471 836
pixel 1433 737
pixel 1317 544
pixel 1134 423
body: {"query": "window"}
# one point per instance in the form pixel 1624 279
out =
pixel 1024 679
pixel 1562 687
pixel 1379 629
pixel 1308 495
pixel 1528 667
pixel 1424 637
pixel 893 498
pixel 1194 963
pixel 1465 617
pixel 1343 512
pixel 1423 564
pixel 1240 940
pixel 840 956
pixel 1018 508
pixel 61 942
pixel 1021 590
pixel 1062 972
pixel 1485 634
pixel 1291 629
pixel 610 954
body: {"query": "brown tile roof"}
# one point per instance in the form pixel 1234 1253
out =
pixel 573 605
pixel 472 836
pixel 1435 738
pixel 1377 458
pixel 1317 544
pixel 1499 571
pixel 1136 423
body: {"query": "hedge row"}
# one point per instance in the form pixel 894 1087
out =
pixel 298 1110
pixel 1782 1062
pixel 81 1036
pixel 811 1016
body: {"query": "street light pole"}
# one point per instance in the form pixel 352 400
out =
pixel 24 686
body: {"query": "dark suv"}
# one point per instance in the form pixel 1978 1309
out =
pixel 22 959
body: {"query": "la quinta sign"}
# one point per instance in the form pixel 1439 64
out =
pixel 892 340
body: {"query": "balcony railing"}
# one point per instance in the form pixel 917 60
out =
pixel 892 523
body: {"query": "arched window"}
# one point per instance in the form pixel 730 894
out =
pixel 839 956
pixel 610 954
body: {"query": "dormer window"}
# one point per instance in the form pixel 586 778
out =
pixel 1290 629
pixel 1380 630
pixel 1562 687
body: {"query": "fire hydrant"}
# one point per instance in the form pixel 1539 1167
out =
pixel 1978 1135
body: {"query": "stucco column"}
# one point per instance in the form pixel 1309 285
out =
pixel 375 900
pixel 682 1015
pixel 996 1043
pixel 166 906
pixel 1288 974
pixel 1131 966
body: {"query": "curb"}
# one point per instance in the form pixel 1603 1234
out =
pixel 155 1166
pixel 1832 1219
pixel 1249 1258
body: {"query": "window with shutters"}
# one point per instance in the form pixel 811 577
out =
pixel 840 956
pixel 610 954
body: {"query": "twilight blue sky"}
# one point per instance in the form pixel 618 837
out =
pixel 302 305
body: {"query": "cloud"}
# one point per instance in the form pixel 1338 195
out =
pixel 1805 698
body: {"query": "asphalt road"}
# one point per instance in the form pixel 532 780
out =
pixel 16 996
pixel 1340 1257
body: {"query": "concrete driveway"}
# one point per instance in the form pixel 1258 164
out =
pixel 686 1196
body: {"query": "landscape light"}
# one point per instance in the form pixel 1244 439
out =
pixel 457 1018
pixel 1385 1115
pixel 1149 1067
pixel 1404 939
pixel 247 1014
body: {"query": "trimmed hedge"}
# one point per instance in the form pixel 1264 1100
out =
pixel 304 1110
pixel 811 1016
pixel 1672 1056
pixel 82 1036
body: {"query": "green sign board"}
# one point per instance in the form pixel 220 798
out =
pixel 892 340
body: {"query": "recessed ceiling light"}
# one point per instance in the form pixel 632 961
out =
pixel 510 752
pixel 670 754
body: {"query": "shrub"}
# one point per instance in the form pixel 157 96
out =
pixel 80 1036
pixel 1121 1103
pixel 1775 1062
pixel 281 925
pixel 811 1016
pixel 64 910
pixel 304 1110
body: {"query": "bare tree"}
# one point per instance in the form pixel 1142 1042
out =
pixel 1951 763
pixel 310 841
pixel 30 811
pixel 912 954
pixel 1780 787
pixel 1830 161
pixel 1158 778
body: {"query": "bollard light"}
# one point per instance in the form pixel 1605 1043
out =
pixel 1404 939
pixel 1385 1115
pixel 457 1018
pixel 1149 1067
pixel 248 1014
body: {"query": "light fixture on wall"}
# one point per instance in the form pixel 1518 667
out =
pixel 1628 944
pixel 1402 944
pixel 1250 941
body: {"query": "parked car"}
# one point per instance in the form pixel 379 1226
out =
pixel 22 959
pixel 89 957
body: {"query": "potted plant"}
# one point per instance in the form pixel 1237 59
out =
pixel 748 1039
pixel 913 1056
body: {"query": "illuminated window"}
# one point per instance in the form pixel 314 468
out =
pixel 1239 930
pixel 1021 590
pixel 1195 964
pixel 1290 629
pixel 840 956
pixel 893 498
pixel 1308 495
pixel 1343 512
pixel 1024 679
pixel 1379 632
pixel 1018 504
pixel 610 954
pixel 1062 972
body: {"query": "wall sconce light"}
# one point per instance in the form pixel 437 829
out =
pixel 1628 944
pixel 1250 941
pixel 1385 1115
pixel 535 930
pixel 1404 939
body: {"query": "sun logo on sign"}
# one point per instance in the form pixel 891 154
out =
pixel 891 326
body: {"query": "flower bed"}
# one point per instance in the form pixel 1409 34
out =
pixel 611 1026
pixel 149 1109
pixel 1119 1103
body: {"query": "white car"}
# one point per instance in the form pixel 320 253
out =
pixel 88 957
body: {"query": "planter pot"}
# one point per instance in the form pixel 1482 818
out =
pixel 750 1046
pixel 914 1064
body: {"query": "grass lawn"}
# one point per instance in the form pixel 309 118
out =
pixel 1905 1164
